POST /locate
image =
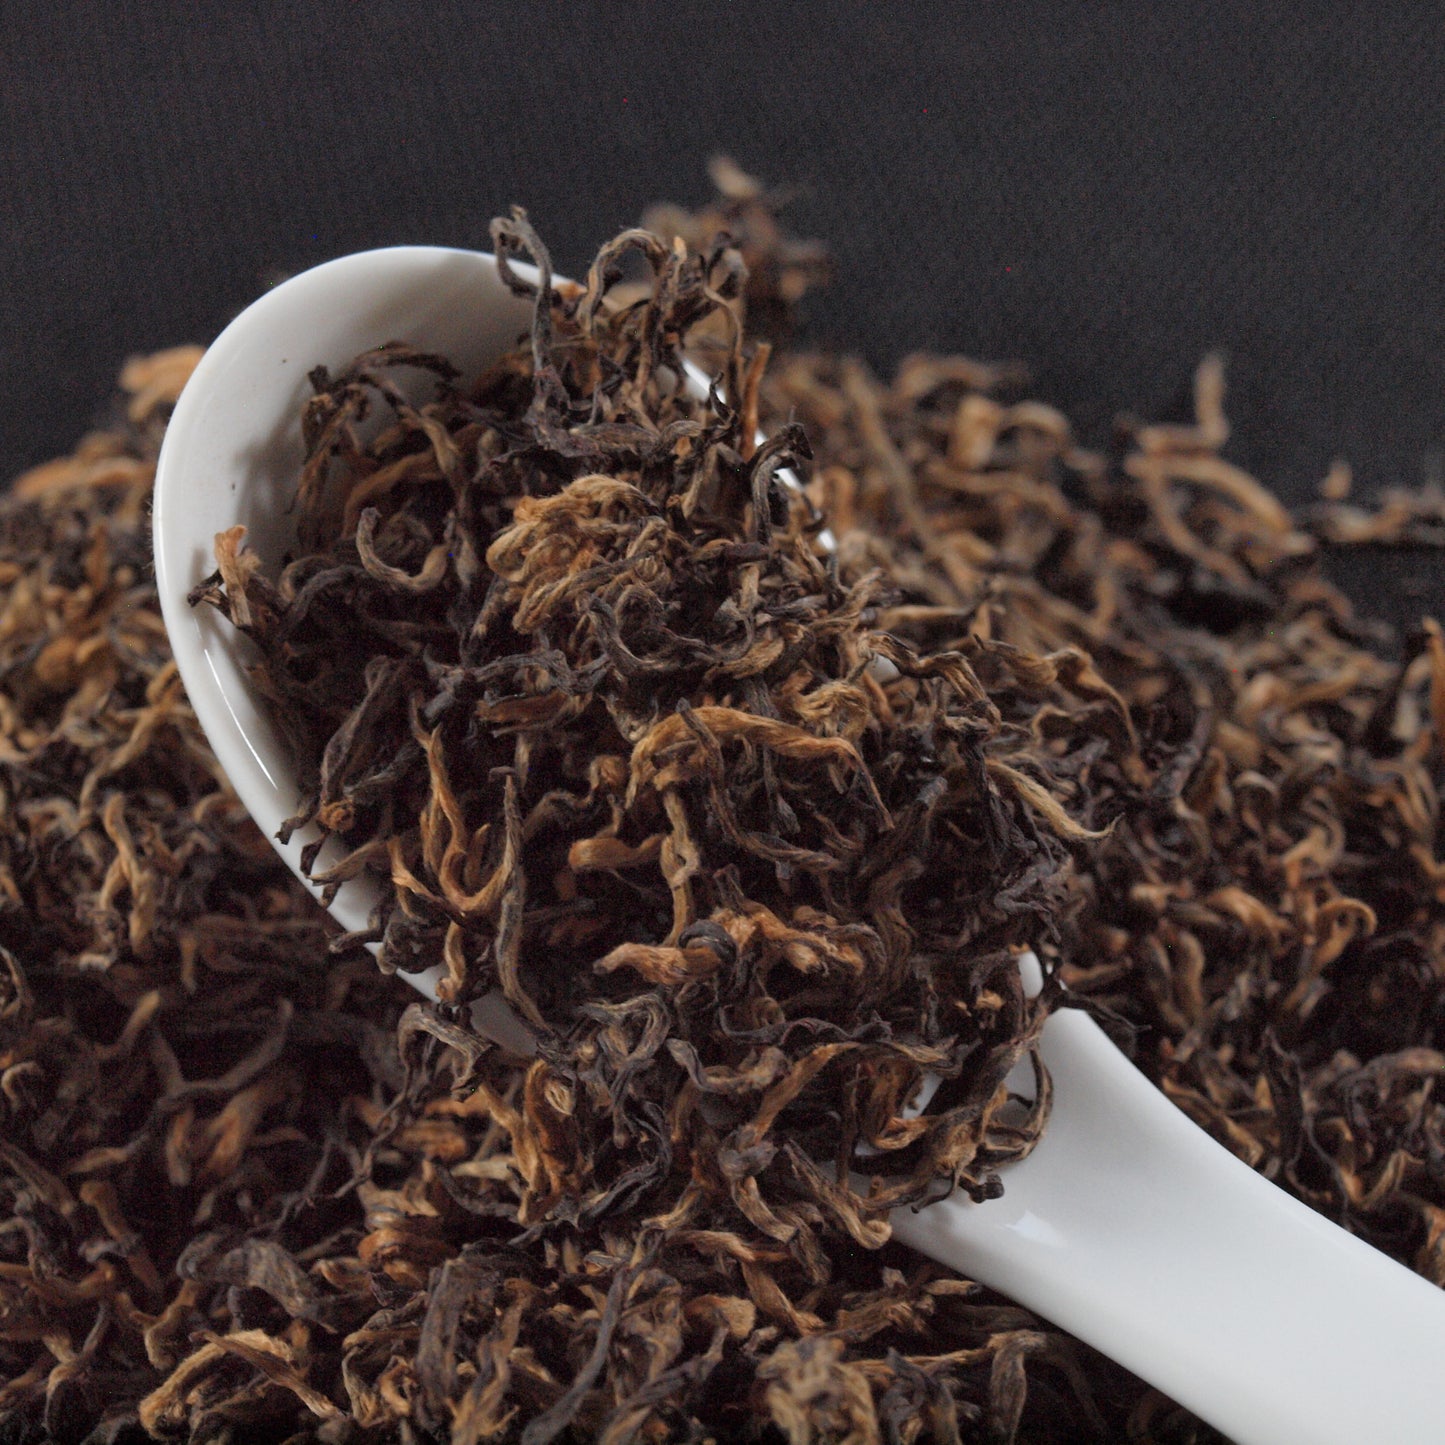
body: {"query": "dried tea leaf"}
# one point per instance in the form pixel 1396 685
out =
pixel 754 830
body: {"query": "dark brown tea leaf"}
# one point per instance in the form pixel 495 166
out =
pixel 751 827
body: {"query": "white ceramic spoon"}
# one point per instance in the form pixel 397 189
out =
pixel 1127 1225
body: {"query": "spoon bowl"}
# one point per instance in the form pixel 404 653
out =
pixel 1127 1225
pixel 233 451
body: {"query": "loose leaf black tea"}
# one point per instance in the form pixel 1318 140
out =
pixel 250 1189
pixel 1267 913
pixel 564 660
pixel 175 1044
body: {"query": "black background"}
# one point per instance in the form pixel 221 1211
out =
pixel 1102 190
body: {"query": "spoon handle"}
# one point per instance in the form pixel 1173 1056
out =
pixel 1131 1228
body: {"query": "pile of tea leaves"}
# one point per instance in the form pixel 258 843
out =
pixel 746 796
pixel 1269 912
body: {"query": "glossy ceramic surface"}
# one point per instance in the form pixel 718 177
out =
pixel 1127 1225
pixel 232 453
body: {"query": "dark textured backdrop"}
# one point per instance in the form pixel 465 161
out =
pixel 1104 190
